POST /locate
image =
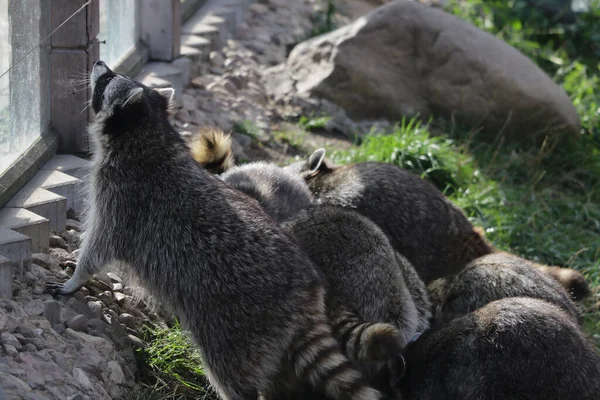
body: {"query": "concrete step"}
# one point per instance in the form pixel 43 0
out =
pixel 68 164
pixel 166 72
pixel 197 42
pixel 215 34
pixel 42 202
pixel 6 269
pixel 62 184
pixel 32 225
pixel 14 245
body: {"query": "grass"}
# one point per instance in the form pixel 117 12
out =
pixel 170 366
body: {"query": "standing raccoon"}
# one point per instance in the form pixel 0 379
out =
pixel 515 348
pixel 493 277
pixel 251 298
pixel 367 278
pixel 424 226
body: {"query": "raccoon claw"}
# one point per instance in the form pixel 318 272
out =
pixel 56 288
pixel 397 367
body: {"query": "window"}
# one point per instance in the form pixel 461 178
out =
pixel 120 28
pixel 22 119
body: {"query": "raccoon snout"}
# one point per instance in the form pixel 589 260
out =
pixel 100 68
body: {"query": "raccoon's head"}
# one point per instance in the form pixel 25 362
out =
pixel 313 166
pixel 118 97
pixel 282 194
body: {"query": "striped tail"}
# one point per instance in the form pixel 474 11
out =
pixel 212 148
pixel 364 342
pixel 572 281
pixel 317 358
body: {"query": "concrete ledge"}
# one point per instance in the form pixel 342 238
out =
pixel 74 166
pixel 34 226
pixel 6 267
pixel 42 202
pixel 14 245
pixel 62 184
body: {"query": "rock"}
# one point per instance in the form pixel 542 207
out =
pixel 106 297
pixel 78 323
pixel 57 241
pixel 44 260
pixel 136 342
pixel 26 330
pixel 61 255
pixel 116 372
pixel 79 307
pixel 82 379
pixel 29 348
pixel 405 59
pixel 95 308
pixel 120 297
pixel 128 320
pixel 13 384
pixel 10 350
pixel 97 324
pixel 72 237
pixel 52 311
pixel 73 225
pixel 114 277
pixel 117 287
pixel 78 396
pixel 36 379
pixel 87 340
pixel 11 340
pixel 216 59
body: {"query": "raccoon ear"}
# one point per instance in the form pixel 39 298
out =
pixel 167 93
pixel 315 161
pixel 133 96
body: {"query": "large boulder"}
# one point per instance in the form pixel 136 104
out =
pixel 405 58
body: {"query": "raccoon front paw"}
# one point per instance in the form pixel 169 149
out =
pixel 56 288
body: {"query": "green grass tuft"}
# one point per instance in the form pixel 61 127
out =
pixel 171 365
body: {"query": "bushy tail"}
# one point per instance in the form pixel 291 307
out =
pixel 211 147
pixel 572 281
pixel 317 358
pixel 366 343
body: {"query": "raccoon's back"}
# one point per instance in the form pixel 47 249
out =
pixel 424 226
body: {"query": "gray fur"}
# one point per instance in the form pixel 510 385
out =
pixel 515 348
pixel 281 194
pixel 494 277
pixel 424 226
pixel 251 298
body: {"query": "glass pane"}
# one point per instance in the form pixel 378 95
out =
pixel 20 106
pixel 119 26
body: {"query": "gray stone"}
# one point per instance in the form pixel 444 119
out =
pixel 79 307
pixel 36 379
pixel 106 297
pixel 120 297
pixel 9 339
pixel 57 241
pixel 128 320
pixel 95 308
pixel 81 378
pixel 52 311
pixel 78 323
pixel 136 342
pixel 114 277
pixel 29 348
pixel 10 350
pixel 44 260
pixel 73 225
pixel 116 372
pixel 78 396
pixel 117 287
pixel 13 384
pixel 97 324
pixel 87 340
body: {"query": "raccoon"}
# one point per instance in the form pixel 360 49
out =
pixel 572 281
pixel 282 195
pixel 251 298
pixel 371 309
pixel 514 348
pixel 211 148
pixel 432 233
pixel 493 277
